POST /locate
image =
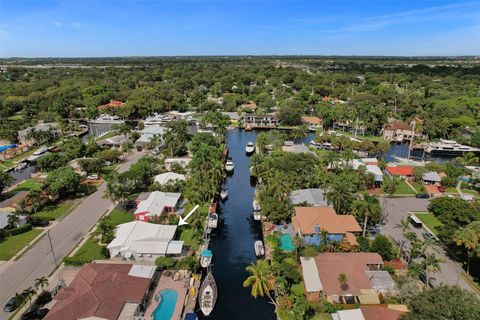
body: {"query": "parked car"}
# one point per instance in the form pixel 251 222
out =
pixel 38 222
pixel 422 196
pixel 35 314
pixel 11 305
pixel 93 177
pixel 429 236
pixel 130 204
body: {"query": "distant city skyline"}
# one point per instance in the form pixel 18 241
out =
pixel 93 28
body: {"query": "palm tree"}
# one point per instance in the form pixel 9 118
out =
pixel 343 281
pixel 468 159
pixel 34 197
pixel 41 283
pixel 299 133
pixel 13 219
pixel 432 264
pixel 368 207
pixel 20 298
pixel 260 280
pixel 467 238
pixel 262 141
pixel 404 226
pixel 29 293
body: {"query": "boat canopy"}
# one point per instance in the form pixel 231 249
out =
pixel 206 253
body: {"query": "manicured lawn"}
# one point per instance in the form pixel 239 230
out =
pixel 27 185
pixel 418 186
pixel 187 236
pixel 118 216
pixel 451 190
pixel 403 188
pixel 12 245
pixel 429 220
pixel 90 251
pixel 55 212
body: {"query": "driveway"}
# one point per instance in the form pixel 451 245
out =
pixel 398 208
pixel 38 260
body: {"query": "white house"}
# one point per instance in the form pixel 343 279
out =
pixel 156 204
pixel 148 133
pixel 140 240
pixel 167 177
pixel 169 162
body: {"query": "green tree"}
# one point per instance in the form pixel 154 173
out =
pixel 62 181
pixel 259 280
pixel 383 247
pixel 5 180
pixel 368 207
pixel 469 238
pixel 404 226
pixel 41 283
pixel 343 282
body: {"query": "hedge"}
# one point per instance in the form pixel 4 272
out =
pixel 13 232
pixel 76 262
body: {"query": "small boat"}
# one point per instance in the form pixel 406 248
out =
pixel 20 166
pixel 224 194
pixel 212 220
pixel 257 216
pixel 259 249
pixel 40 151
pixel 205 258
pixel 250 147
pixel 207 295
pixel 229 165
pixel 256 206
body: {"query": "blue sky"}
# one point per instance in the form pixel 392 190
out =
pixel 78 28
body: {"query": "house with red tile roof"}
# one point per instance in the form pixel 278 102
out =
pixel 364 280
pixel 400 171
pixel 312 122
pixel 103 291
pixel 111 104
pixel 309 222
pixel 398 131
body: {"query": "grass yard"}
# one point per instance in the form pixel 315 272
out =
pixel 90 251
pixel 55 212
pixel 12 245
pixel 472 192
pixel 403 188
pixel 429 220
pixel 187 236
pixel 451 190
pixel 27 185
pixel 118 216
pixel 418 186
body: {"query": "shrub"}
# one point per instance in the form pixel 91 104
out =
pixel 164 263
pixel 309 251
pixel 383 247
pixel 13 232
pixel 44 298
pixel 76 262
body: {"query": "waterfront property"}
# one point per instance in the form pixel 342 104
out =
pixel 115 141
pixel 312 197
pixel 52 127
pixel 168 296
pixel 431 177
pixel 140 240
pixel 398 131
pixel 251 120
pixel 297 148
pixel 400 171
pixel 156 204
pixel 148 134
pixel 309 222
pixel 363 279
pixel 312 122
pixel 103 291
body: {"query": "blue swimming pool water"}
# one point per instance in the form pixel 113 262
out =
pixel 166 305
pixel 286 242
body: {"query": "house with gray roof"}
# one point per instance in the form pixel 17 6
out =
pixel 431 177
pixel 313 197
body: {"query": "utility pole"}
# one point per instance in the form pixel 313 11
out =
pixel 51 247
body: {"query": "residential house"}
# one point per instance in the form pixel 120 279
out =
pixel 312 122
pixel 104 291
pixel 13 203
pixel 250 105
pixel 177 115
pixel 183 162
pixel 138 240
pixel 309 222
pixel 297 148
pixel 22 219
pixel 113 104
pixel 364 280
pixel 311 197
pixel 158 203
pixel 398 131
pixel 233 116
pixel 376 172
pixel 350 126
pixel 168 177
pixel 52 127
pixel 115 141
pixel 431 177
pixel 148 133
pixel 368 313
pixel 400 171
pixel 251 120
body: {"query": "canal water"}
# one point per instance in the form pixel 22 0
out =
pixel 232 247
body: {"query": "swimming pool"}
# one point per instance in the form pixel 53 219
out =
pixel 167 299
pixel 286 242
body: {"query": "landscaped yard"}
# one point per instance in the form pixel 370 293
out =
pixel 451 190
pixel 418 186
pixel 12 245
pixel 403 188
pixel 472 192
pixel 90 251
pixel 118 216
pixel 429 220
pixel 187 236
pixel 55 212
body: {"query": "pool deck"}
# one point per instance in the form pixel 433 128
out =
pixel 167 282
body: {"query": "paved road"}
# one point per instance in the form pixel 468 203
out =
pixel 38 260
pixel 398 208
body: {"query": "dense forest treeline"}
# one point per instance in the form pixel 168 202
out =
pixel 442 92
